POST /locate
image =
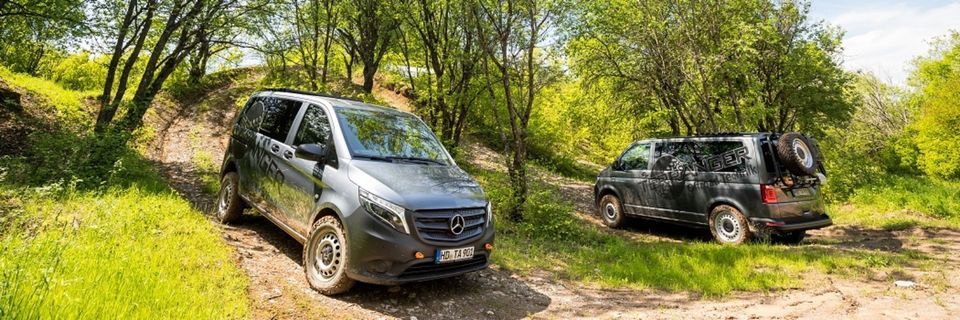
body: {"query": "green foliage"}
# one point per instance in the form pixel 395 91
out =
pixel 709 67
pixel 553 238
pixel 899 202
pixel 79 71
pixel 938 120
pixel 88 229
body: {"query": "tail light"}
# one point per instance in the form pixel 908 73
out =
pixel 768 193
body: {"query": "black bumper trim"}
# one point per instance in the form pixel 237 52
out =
pixel 797 226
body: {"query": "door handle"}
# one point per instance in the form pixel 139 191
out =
pixel 275 148
pixel 288 154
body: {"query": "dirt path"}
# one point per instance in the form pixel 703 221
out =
pixel 278 289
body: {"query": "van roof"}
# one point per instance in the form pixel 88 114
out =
pixel 332 99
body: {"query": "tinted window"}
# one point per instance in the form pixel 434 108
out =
pixel 252 113
pixel 384 134
pixel 702 156
pixel 314 128
pixel 278 115
pixel 636 158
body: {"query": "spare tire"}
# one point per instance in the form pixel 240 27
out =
pixel 797 154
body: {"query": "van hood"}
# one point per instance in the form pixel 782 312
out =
pixel 417 186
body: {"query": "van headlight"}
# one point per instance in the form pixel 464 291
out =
pixel 391 213
pixel 489 213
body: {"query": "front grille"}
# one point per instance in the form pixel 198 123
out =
pixel 434 225
pixel 429 268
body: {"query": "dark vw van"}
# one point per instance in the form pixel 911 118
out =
pixel 739 185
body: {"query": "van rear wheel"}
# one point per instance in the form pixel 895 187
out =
pixel 729 226
pixel 611 211
pixel 229 204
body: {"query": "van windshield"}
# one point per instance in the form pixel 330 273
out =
pixel 389 136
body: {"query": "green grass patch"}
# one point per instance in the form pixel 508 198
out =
pixel 900 202
pixel 64 104
pixel 126 253
pixel 553 238
pixel 88 229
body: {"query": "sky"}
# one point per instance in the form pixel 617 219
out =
pixel 884 36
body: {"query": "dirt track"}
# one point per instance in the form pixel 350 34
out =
pixel 278 288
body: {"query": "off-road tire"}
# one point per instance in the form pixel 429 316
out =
pixel 798 154
pixel 611 212
pixel 789 237
pixel 729 226
pixel 327 232
pixel 229 205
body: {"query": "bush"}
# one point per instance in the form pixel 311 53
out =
pixel 79 71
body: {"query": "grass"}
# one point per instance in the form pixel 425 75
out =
pixel 553 238
pixel 207 169
pixel 88 229
pixel 900 202
pixel 65 105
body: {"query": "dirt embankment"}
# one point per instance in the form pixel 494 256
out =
pixel 278 289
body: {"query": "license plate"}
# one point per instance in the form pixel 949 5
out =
pixel 451 255
pixel 804 192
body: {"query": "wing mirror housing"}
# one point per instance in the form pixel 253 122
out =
pixel 311 152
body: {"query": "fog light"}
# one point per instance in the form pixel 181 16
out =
pixel 418 255
pixel 488 247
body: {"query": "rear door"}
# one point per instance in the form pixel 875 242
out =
pixel 273 141
pixel 243 147
pixel 303 179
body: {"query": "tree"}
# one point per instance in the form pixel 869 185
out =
pixel 714 65
pixel 510 39
pixel 180 23
pixel 447 32
pixel 368 33
pixel 32 29
pixel 937 122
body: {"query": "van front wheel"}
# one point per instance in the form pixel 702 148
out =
pixel 325 257
pixel 729 226
pixel 611 211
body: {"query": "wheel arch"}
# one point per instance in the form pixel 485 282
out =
pixel 607 190
pixel 229 165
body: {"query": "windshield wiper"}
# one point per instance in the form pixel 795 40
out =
pixel 374 158
pixel 418 160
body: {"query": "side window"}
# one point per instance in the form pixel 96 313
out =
pixel 278 115
pixel 314 128
pixel 636 158
pixel 252 114
pixel 724 156
pixel 701 156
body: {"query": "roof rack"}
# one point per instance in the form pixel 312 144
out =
pixel 728 134
pixel 309 93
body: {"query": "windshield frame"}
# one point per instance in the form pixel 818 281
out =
pixel 444 158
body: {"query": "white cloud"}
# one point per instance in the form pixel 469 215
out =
pixel 886 39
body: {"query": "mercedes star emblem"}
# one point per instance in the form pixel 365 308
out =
pixel 456 224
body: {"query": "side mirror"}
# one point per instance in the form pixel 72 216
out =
pixel 312 152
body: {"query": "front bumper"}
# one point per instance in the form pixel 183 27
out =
pixel 782 225
pixel 379 254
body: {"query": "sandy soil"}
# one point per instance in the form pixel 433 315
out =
pixel 278 289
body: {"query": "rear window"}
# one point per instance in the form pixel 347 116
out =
pixel 701 156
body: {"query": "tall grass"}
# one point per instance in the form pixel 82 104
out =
pixel 897 202
pixel 553 238
pixel 127 253
pixel 88 229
